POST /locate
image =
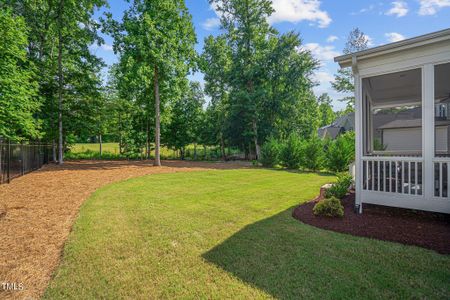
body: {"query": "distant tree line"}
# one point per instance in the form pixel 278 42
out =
pixel 258 82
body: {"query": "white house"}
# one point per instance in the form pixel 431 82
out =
pixel 404 162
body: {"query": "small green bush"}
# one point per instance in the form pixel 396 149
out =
pixel 340 188
pixel 340 152
pixel 312 154
pixel 270 153
pixel 330 207
pixel 291 152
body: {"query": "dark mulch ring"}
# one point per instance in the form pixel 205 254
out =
pixel 410 227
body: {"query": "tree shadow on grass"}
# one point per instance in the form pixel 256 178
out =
pixel 290 260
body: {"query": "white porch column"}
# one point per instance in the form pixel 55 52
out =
pixel 428 130
pixel 358 134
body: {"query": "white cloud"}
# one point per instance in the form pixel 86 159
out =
pixel 394 37
pixel 107 47
pixel 332 38
pixel 370 42
pixel 104 47
pixel 322 53
pixel 398 9
pixel 430 7
pixel 364 10
pixel 295 11
pixel 323 77
pixel 211 23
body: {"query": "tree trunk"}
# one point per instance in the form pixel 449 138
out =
pixel 157 121
pixel 255 133
pixel 204 152
pixel 195 151
pixel 60 84
pixel 222 148
pixel 120 134
pixel 147 142
pixel 53 150
pixel 100 141
pixel 182 153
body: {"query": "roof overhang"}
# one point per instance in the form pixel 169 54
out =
pixel 438 36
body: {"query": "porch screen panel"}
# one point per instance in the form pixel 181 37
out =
pixel 442 130
pixel 442 109
pixel 392 114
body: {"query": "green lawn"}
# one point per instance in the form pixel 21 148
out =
pixel 230 234
pixel 111 151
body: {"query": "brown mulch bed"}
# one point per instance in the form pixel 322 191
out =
pixel 410 227
pixel 37 212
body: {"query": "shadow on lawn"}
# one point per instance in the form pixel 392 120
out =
pixel 291 260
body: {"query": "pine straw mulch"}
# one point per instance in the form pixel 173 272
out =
pixel 410 227
pixel 37 212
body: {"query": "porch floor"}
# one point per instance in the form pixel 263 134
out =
pixel 410 227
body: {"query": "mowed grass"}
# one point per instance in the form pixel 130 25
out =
pixel 230 234
pixel 95 147
pixel 112 151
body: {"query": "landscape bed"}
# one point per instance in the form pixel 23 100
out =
pixel 420 228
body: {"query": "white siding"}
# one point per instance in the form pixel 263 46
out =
pixel 410 139
pixel 403 139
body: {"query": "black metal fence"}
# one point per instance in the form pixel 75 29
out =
pixel 17 159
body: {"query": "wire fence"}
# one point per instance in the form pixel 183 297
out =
pixel 17 159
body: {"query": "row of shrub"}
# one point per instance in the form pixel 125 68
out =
pixel 331 206
pixel 310 154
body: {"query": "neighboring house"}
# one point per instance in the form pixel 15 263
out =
pixel 402 123
pixel 340 125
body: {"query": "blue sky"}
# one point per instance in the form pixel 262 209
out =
pixel 323 26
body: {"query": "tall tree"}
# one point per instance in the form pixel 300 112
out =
pixel 344 81
pixel 60 34
pixel 247 33
pixel 18 85
pixel 156 36
pixel 326 113
pixel 186 117
pixel 216 65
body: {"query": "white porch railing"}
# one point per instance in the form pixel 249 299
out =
pixel 403 175
pixel 441 177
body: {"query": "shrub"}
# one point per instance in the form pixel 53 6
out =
pixel 331 207
pixel 340 188
pixel 270 153
pixel 340 152
pixel 313 154
pixel 291 152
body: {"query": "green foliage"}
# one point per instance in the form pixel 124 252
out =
pixel 330 207
pixel 186 119
pixel 340 188
pixel 344 81
pixel 326 113
pixel 270 153
pixel 292 152
pixel 313 154
pixel 340 152
pixel 18 87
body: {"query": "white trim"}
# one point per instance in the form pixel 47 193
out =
pixel 428 127
pixel 405 65
pixel 434 37
pixel 407 201
pixel 359 168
